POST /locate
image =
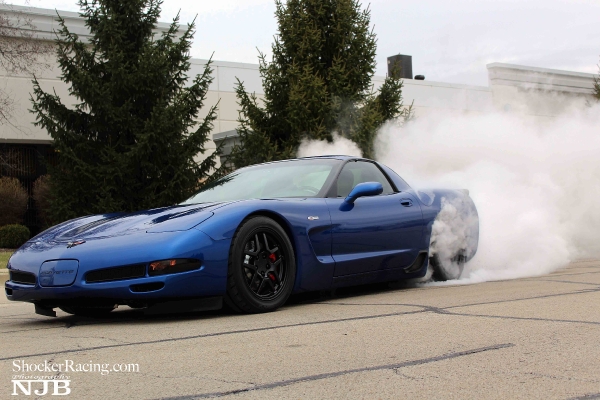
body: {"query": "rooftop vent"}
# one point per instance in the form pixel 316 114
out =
pixel 400 65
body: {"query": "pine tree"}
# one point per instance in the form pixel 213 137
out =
pixel 131 140
pixel 318 82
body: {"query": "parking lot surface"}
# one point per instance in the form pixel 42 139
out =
pixel 528 338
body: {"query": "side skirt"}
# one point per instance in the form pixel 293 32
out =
pixel 418 268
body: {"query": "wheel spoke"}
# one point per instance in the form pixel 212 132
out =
pixel 250 266
pixel 252 279
pixel 262 283
pixel 277 277
pixel 273 250
pixel 256 247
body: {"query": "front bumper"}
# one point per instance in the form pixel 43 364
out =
pixel 209 280
pixel 185 284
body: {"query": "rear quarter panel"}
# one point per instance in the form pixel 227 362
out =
pixel 432 202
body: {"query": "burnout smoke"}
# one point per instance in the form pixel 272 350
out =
pixel 339 146
pixel 454 232
pixel 535 181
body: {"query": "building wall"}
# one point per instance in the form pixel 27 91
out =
pixel 511 88
pixel 538 91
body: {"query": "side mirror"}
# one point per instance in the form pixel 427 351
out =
pixel 364 189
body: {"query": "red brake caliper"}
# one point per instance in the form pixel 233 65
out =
pixel 272 258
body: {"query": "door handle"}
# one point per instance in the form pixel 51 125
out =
pixel 406 202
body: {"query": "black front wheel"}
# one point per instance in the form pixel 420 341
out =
pixel 262 267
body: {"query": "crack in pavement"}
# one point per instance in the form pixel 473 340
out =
pixel 424 309
pixel 579 283
pixel 574 273
pixel 470 304
pixel 277 384
pixel 195 378
pixel 445 311
pixel 586 397
pixel 205 335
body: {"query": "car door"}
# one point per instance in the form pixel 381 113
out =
pixel 377 232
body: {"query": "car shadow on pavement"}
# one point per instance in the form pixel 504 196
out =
pixel 126 315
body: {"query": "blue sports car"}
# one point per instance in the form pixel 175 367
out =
pixel 248 240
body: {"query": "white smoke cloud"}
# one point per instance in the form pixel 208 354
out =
pixel 454 235
pixel 535 182
pixel 339 146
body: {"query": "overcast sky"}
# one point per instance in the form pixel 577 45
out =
pixel 450 41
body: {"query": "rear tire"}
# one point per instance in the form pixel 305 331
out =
pixel 443 272
pixel 262 267
pixel 456 231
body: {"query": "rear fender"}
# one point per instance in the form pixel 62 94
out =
pixel 460 210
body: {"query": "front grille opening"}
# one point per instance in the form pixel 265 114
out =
pixel 116 273
pixel 147 287
pixel 25 278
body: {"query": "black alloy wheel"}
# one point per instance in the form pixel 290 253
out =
pixel 262 267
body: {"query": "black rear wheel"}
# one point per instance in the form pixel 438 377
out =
pixel 262 267
pixel 447 270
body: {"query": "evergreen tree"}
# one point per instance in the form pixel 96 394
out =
pixel 318 82
pixel 131 140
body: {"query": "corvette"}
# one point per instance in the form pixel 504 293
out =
pixel 248 240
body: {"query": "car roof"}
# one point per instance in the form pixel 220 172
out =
pixel 328 156
pixel 331 157
pixel 336 156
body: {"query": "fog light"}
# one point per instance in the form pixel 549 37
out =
pixel 173 266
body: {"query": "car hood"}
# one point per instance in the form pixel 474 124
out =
pixel 166 219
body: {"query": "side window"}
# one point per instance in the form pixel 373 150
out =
pixel 356 172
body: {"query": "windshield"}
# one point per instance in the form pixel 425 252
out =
pixel 299 178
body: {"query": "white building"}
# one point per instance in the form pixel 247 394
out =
pixel 511 87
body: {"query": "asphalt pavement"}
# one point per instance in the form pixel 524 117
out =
pixel 534 338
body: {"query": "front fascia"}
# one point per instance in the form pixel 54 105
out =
pixel 132 249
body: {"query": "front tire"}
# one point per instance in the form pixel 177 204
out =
pixel 262 267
